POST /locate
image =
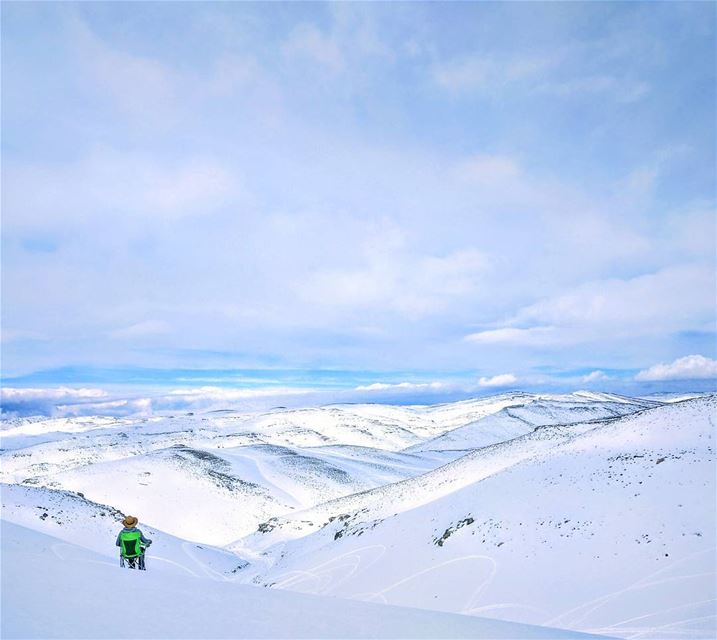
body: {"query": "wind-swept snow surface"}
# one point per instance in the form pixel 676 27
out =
pixel 521 418
pixel 588 511
pixel 607 526
pixel 237 470
pixel 56 589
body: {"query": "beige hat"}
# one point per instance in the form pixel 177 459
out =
pixel 130 521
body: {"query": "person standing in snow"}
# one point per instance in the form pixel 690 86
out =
pixel 132 544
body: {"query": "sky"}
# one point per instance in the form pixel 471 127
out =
pixel 343 195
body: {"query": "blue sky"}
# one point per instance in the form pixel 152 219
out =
pixel 521 193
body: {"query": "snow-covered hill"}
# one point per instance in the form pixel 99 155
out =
pixel 74 519
pixel 230 490
pixel 606 526
pixel 239 470
pixel 587 511
pixel 519 419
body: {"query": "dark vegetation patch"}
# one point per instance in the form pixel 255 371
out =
pixel 350 525
pixel 242 565
pixel 211 466
pixel 269 525
pixel 60 506
pixel 204 456
pixel 452 529
pixel 318 468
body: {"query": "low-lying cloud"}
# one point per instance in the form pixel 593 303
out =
pixel 402 386
pixel 694 367
pixel 65 401
pixel 595 376
pixel 502 380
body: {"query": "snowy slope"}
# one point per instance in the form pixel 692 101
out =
pixel 188 492
pixel 56 589
pixel 521 418
pixel 73 518
pixel 231 490
pixel 571 502
pixel 236 470
pixel 35 445
pixel 607 527
pixel 675 396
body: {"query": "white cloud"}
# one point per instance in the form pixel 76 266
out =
pixel 309 41
pixel 677 298
pixel 189 187
pixel 535 336
pixel 595 376
pixel 46 401
pixel 66 401
pixel 659 301
pixel 58 393
pixel 502 380
pixel 691 231
pixel 402 386
pixel 392 277
pixel 462 75
pixel 141 329
pixel 18 335
pixel 223 394
pixel 348 41
pixel 122 187
pixel 624 90
pixel 140 86
pixel 548 74
pixel 486 72
pixel 694 367
pixel 488 169
pixel 486 232
pixel 357 28
pixel 232 73
pixel 122 407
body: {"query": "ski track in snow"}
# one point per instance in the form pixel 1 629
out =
pixel 41 600
pixel 618 625
pixel 174 563
pixel 468 608
pixel 641 584
pixel 321 576
pixel 507 605
pixel 70 551
pixel 295 576
pixel 189 550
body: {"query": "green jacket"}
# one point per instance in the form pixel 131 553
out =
pixel 130 541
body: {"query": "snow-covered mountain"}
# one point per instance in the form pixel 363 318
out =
pixel 606 526
pixel 521 418
pixel 237 470
pixel 548 510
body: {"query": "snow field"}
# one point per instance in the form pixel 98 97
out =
pixel 588 511
pixel 55 589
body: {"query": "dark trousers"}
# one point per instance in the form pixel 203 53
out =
pixel 133 563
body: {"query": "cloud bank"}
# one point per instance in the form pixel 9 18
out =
pixel 369 186
pixel 502 380
pixel 695 367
